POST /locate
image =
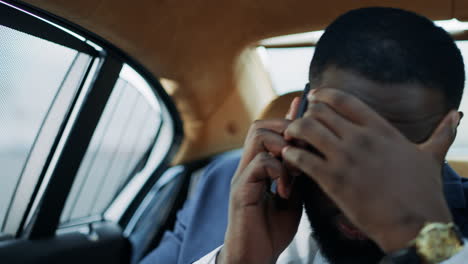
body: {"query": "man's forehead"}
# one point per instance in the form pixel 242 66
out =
pixel 411 107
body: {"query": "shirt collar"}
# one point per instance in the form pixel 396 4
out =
pixel 454 188
pixel 319 259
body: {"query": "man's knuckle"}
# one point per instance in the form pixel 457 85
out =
pixel 387 133
pixel 236 198
pixel 234 181
pixel 257 123
pixel 304 125
pixel 291 130
pixel 293 158
pixel 317 108
pixel 263 158
pixel 334 187
pixel 338 99
pixel 362 141
pixel 258 135
pixel 255 126
pixel 338 176
pixel 349 159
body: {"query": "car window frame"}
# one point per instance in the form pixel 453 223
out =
pixel 17 19
pixel 41 218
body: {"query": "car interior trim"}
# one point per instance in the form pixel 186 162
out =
pixel 20 20
pixel 166 178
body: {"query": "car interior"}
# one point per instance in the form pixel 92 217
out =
pixel 114 108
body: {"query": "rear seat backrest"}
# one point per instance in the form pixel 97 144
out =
pixel 279 106
pixel 460 166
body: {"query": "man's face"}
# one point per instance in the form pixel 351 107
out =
pixel 413 109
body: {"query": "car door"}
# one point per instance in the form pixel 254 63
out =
pixel 86 132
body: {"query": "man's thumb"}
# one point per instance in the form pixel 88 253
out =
pixel 293 108
pixel 442 137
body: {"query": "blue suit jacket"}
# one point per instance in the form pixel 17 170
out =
pixel 202 222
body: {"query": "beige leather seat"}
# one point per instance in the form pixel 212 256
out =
pixel 460 166
pixel 279 106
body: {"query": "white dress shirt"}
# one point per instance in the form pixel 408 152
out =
pixel 303 250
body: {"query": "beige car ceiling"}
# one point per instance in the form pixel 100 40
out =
pixel 201 49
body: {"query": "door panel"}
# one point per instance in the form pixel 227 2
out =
pixel 100 243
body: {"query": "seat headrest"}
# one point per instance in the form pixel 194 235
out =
pixel 279 106
pixel 460 166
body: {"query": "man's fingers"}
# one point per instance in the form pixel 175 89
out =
pixel 329 117
pixel 315 134
pixel 307 162
pixel 263 169
pixel 293 108
pixel 284 184
pixel 331 180
pixel 264 166
pixel 442 137
pixel 264 140
pixel 276 125
pixel 264 136
pixel 261 140
pixel 348 106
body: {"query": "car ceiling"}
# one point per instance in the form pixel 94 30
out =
pixel 201 46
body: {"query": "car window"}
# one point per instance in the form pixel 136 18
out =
pixel 288 68
pixel 119 148
pixel 84 129
pixel 36 75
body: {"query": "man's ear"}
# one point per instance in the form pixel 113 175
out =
pixel 460 116
pixel 443 136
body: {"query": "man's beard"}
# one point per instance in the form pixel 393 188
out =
pixel 334 245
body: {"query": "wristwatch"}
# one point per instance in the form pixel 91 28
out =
pixel 435 243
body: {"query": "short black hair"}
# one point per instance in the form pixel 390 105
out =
pixel 390 45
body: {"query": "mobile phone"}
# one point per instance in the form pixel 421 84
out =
pixel 303 105
pixel 300 112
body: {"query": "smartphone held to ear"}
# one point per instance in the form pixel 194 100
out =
pixel 303 105
pixel 300 113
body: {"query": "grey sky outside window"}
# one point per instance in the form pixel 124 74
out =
pixel 125 133
pixel 289 68
pixel 459 149
pixel 32 73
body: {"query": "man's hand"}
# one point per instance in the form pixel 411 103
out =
pixel 258 230
pixel 386 185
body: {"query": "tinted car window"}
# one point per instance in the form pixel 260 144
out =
pixel 82 132
pixel 33 72
pixel 288 67
pixel 459 148
pixel 119 148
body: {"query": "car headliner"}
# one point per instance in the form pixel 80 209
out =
pixel 202 46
